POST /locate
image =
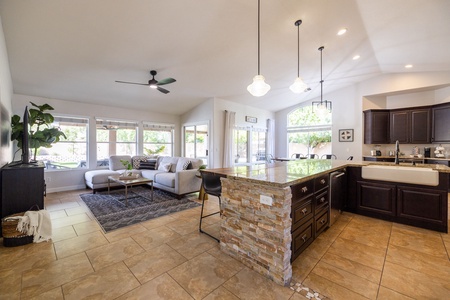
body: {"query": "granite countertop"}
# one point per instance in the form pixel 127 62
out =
pixel 283 174
pixel 407 157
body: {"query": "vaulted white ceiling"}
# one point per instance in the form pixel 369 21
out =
pixel 76 50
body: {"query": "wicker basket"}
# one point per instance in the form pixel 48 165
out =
pixel 12 237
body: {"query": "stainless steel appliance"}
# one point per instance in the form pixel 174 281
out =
pixel 338 194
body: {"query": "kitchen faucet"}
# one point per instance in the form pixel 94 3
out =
pixel 397 151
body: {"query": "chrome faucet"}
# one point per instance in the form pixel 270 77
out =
pixel 397 151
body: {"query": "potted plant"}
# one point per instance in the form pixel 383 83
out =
pixel 41 133
pixel 128 167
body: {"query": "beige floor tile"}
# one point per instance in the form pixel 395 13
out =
pixel 425 241
pixel 70 220
pixel 39 280
pixel 108 283
pixel 124 232
pixel 54 206
pixel 63 233
pixel 196 243
pixel 222 294
pixel 352 267
pixel 152 263
pixel 250 285
pixel 318 247
pixel 57 214
pixel 10 284
pixel 79 244
pixel 424 263
pixel 361 235
pixel 201 275
pixel 55 294
pixel 363 254
pixel 155 237
pixel 414 284
pixel 26 257
pixel 160 288
pixel 184 226
pixel 87 227
pixel 346 279
pixel 226 259
pixel 388 294
pixel 110 254
pixel 302 266
pixel 77 210
pixel 329 288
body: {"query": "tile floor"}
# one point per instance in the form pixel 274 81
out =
pixel 166 258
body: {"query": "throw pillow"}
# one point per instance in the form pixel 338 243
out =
pixel 148 165
pixel 187 165
pixel 164 167
pixel 136 161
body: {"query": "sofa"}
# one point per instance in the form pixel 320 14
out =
pixel 177 175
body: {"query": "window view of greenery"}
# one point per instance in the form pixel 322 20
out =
pixel 309 132
pixel 196 142
pixel 158 142
pixel 258 146
pixel 241 146
pixel 115 141
pixel 68 153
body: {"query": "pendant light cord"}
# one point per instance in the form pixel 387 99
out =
pixel 259 13
pixel 321 80
pixel 298 48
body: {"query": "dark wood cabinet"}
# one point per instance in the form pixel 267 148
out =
pixel 410 126
pixel 440 127
pixel 375 158
pixel 378 198
pixel 376 126
pixel 22 187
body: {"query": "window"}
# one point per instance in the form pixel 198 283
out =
pixel 196 142
pixel 309 132
pixel 259 145
pixel 158 139
pixel 240 142
pixel 250 144
pixel 115 138
pixel 68 153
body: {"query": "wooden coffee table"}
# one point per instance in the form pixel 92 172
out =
pixel 129 183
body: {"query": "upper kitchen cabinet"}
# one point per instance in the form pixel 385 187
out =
pixel 410 125
pixel 441 121
pixel 376 126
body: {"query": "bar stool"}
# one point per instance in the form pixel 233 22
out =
pixel 328 156
pixel 312 156
pixel 297 155
pixel 211 185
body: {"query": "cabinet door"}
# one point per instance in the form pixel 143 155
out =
pixel 421 126
pixel 441 119
pixel 422 207
pixel 400 128
pixel 376 198
pixel 376 127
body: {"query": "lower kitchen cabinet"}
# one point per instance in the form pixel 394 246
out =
pixel 302 237
pixel 377 198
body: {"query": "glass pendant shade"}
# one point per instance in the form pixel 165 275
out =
pixel 258 87
pixel 299 86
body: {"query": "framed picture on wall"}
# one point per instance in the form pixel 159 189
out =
pixel 251 119
pixel 345 135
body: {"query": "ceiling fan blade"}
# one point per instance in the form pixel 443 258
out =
pixel 166 81
pixel 162 90
pixel 131 82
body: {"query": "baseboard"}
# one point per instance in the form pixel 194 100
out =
pixel 66 188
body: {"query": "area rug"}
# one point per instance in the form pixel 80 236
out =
pixel 112 213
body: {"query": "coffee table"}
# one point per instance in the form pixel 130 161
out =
pixel 129 183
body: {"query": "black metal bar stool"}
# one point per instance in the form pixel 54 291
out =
pixel 211 185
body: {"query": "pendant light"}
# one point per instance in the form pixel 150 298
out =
pixel 298 86
pixel 258 87
pixel 321 106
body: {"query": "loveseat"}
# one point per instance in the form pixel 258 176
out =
pixel 173 174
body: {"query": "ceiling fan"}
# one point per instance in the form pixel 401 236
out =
pixel 153 83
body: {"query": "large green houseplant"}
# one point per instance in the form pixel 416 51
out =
pixel 41 134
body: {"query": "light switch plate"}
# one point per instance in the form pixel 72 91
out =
pixel 265 200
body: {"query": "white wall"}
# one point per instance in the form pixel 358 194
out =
pixel 6 91
pixel 62 180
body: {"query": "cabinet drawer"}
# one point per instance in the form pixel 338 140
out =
pixel 302 190
pixel 322 200
pixel 301 212
pixel 321 182
pixel 302 238
pixel 322 221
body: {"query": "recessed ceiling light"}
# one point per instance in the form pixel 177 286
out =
pixel 408 66
pixel 356 57
pixel 342 31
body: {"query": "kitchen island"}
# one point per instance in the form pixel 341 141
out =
pixel 260 202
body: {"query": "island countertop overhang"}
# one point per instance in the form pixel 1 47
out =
pixel 284 174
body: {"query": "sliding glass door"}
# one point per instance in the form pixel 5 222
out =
pixel 196 142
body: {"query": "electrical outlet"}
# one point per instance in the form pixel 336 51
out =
pixel 265 200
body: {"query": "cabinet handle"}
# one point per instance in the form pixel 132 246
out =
pixel 322 200
pixel 304 189
pixel 322 181
pixel 304 238
pixel 304 211
pixel 322 221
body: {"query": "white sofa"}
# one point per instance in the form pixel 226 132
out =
pixel 176 179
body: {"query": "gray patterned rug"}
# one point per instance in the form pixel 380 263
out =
pixel 112 212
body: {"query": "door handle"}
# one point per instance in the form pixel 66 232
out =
pixel 304 238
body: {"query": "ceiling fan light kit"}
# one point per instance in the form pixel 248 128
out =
pixel 258 87
pixel 322 106
pixel 299 86
pixel 153 83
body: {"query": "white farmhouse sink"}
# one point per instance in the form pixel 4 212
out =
pixel 413 175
